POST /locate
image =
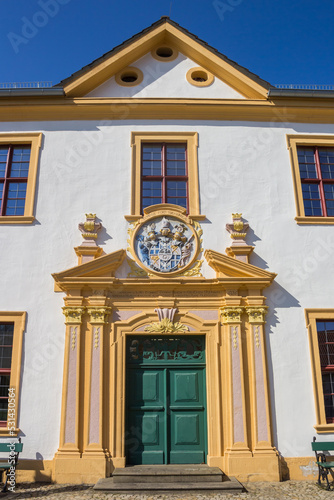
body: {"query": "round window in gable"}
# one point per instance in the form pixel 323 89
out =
pixel 164 53
pixel 200 77
pixel 129 77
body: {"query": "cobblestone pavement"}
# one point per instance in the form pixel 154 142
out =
pixel 290 490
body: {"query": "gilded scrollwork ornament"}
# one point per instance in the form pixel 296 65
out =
pixel 166 326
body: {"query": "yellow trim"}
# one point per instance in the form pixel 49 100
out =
pixel 19 320
pixel 34 140
pixel 191 140
pixel 131 71
pixel 293 141
pixel 165 34
pixel 191 73
pixel 312 315
pixel 172 57
pixel 309 110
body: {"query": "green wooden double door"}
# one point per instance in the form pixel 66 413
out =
pixel 165 401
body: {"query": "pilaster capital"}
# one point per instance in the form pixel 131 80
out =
pixel 256 314
pixel 73 315
pixel 98 314
pixel 231 314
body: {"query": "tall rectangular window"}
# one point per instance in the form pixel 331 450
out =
pixel 14 168
pixel 325 330
pixel 6 347
pixel 164 174
pixel 316 167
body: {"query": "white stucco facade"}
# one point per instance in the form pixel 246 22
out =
pixel 85 167
pixel 243 166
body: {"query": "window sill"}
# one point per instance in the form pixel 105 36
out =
pixel 314 220
pixel 324 428
pixel 17 219
pixel 4 432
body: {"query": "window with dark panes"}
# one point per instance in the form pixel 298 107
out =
pixel 164 174
pixel 316 166
pixel 14 167
pixel 325 331
pixel 6 346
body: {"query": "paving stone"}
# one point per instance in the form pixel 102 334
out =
pixel 288 490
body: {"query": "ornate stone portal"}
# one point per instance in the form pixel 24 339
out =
pixel 164 303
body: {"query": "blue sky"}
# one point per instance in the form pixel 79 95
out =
pixel 282 41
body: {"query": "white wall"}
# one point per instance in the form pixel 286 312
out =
pixel 165 79
pixel 243 167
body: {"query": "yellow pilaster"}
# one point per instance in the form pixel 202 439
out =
pixel 94 447
pixel 237 447
pixel 69 445
pixel 261 436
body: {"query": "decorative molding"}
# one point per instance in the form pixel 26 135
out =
pixel 235 336
pixel 166 326
pixel 231 314
pixel 257 335
pixel 96 332
pixel 98 314
pixel 73 315
pixel 256 314
pixel 73 333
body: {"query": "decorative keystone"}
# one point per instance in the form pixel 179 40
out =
pixel 256 314
pixel 73 315
pixel 98 314
pixel 165 313
pixel 231 314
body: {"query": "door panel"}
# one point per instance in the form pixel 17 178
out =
pixel 187 423
pixel 145 437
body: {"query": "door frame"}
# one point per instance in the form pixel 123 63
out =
pixel 210 328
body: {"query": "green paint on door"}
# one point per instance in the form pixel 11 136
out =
pixel 166 410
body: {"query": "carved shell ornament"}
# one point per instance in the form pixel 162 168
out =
pixel 165 244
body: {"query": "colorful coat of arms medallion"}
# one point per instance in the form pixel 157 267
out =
pixel 165 244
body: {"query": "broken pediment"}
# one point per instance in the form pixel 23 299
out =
pixel 227 267
pixel 156 56
pixel 101 267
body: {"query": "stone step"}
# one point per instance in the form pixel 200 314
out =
pixel 168 474
pixel 229 486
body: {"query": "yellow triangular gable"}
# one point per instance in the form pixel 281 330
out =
pixel 165 32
